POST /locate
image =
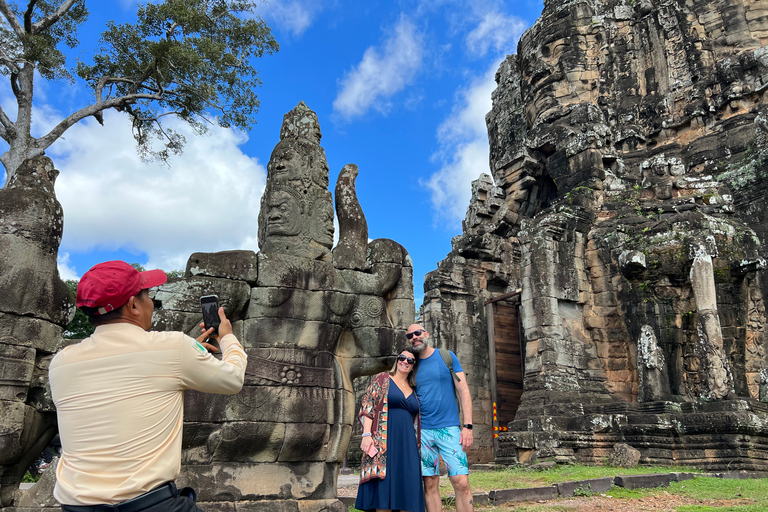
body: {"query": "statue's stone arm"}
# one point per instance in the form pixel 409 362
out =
pixel 350 251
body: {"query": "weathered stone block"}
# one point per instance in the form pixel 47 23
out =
pixel 39 495
pixel 25 331
pixel 642 481
pixel 238 265
pixel 271 481
pixel 263 404
pixel 594 485
pixel 528 494
pixel 268 331
pixel 16 367
pixel 184 295
pixel 302 304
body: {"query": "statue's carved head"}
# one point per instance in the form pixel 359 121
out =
pixel 296 215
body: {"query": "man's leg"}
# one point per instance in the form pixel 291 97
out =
pixel 463 494
pixel 430 470
pixel 455 459
pixel 432 494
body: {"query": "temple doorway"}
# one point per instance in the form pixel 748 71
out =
pixel 507 361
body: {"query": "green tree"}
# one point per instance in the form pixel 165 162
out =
pixel 79 328
pixel 192 59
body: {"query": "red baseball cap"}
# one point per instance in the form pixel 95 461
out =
pixel 109 285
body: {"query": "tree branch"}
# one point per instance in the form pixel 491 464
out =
pixel 6 123
pixel 53 18
pixel 6 126
pixel 28 16
pixel 90 110
pixel 106 80
pixel 158 117
pixel 9 61
pixel 15 84
pixel 11 18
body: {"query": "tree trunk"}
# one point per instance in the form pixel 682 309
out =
pixel 22 145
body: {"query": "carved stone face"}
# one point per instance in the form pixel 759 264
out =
pixel 286 164
pixel 321 222
pixel 283 216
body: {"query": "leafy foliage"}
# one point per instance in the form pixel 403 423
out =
pixel 79 328
pixel 192 59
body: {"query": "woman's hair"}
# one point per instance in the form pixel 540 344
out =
pixel 412 375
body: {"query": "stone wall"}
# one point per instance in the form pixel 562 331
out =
pixel 627 152
pixel 35 306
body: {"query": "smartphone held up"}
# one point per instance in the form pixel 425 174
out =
pixel 210 306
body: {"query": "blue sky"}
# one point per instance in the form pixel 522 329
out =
pixel 401 89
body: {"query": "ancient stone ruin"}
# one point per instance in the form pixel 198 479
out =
pixel 608 285
pixel 311 318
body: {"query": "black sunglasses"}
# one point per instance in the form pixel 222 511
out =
pixel 407 359
pixel 417 332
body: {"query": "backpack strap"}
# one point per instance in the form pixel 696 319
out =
pixel 448 360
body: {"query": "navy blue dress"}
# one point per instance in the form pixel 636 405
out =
pixel 402 488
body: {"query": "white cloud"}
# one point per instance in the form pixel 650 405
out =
pixel 382 72
pixel 295 16
pixel 206 200
pixel 463 152
pixel 66 270
pixel 496 31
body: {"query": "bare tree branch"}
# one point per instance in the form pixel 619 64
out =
pixel 158 117
pixel 107 80
pixel 90 110
pixel 53 18
pixel 28 16
pixel 6 123
pixel 9 62
pixel 15 84
pixel 5 127
pixel 9 16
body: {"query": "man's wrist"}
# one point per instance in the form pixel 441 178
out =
pixel 467 426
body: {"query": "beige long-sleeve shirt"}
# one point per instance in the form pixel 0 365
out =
pixel 119 396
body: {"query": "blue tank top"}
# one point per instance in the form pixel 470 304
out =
pixel 434 390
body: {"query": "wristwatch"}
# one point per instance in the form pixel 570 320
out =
pixel 468 426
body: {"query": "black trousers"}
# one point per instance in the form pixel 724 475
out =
pixel 175 503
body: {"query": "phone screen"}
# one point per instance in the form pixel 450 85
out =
pixel 210 305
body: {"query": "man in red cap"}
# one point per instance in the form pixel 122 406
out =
pixel 119 396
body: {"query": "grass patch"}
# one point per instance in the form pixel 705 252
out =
pixel 724 489
pixel 518 478
pixel 29 478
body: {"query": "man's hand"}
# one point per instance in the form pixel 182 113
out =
pixel 225 327
pixel 465 438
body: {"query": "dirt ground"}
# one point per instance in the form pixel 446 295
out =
pixel 661 502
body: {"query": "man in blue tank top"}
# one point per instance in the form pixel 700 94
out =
pixel 442 433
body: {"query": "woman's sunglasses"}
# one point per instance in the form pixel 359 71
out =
pixel 407 359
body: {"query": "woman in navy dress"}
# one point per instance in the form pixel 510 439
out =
pixel 390 471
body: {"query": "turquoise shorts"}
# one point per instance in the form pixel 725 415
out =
pixel 445 443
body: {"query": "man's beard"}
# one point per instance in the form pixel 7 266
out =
pixel 420 348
